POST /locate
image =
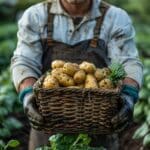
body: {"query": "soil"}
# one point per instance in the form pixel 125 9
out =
pixel 126 141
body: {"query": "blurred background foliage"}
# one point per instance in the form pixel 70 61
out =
pixel 10 12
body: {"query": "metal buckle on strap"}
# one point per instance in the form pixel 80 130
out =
pixel 50 42
pixel 94 42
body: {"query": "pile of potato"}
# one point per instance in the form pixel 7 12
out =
pixel 72 75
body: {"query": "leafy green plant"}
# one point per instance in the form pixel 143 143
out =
pixel 7 43
pixel 117 72
pixel 70 142
pixel 9 104
pixel 12 144
pixel 11 29
pixel 6 51
pixel 142 108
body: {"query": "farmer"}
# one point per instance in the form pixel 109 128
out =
pixel 76 31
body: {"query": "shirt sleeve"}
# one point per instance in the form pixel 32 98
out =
pixel 122 48
pixel 26 61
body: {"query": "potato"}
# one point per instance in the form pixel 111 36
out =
pixel 99 74
pixel 106 72
pixel 87 67
pixel 90 81
pixel 79 76
pixel 70 68
pixel 106 84
pixel 65 80
pixel 102 73
pixel 57 64
pixel 56 72
pixel 50 82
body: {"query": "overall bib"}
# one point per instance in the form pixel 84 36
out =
pixel 94 50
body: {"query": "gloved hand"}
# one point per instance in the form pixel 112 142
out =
pixel 123 119
pixel 125 115
pixel 30 109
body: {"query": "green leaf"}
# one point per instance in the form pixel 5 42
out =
pixel 144 93
pixel 1 147
pixel 3 112
pixel 148 86
pixel 138 110
pixel 13 143
pixel 2 144
pixel 146 109
pixel 148 118
pixel 147 78
pixel 146 141
pixel 12 123
pixel 141 132
pixel 147 62
pixel 11 31
pixel 4 132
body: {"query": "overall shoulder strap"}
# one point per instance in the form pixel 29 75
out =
pixel 103 8
pixel 50 21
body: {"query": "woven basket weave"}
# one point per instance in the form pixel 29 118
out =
pixel 68 110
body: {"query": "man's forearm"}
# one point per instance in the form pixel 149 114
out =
pixel 130 81
pixel 26 83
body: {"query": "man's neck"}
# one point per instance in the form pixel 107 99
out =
pixel 76 10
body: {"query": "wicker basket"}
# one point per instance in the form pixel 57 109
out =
pixel 68 110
